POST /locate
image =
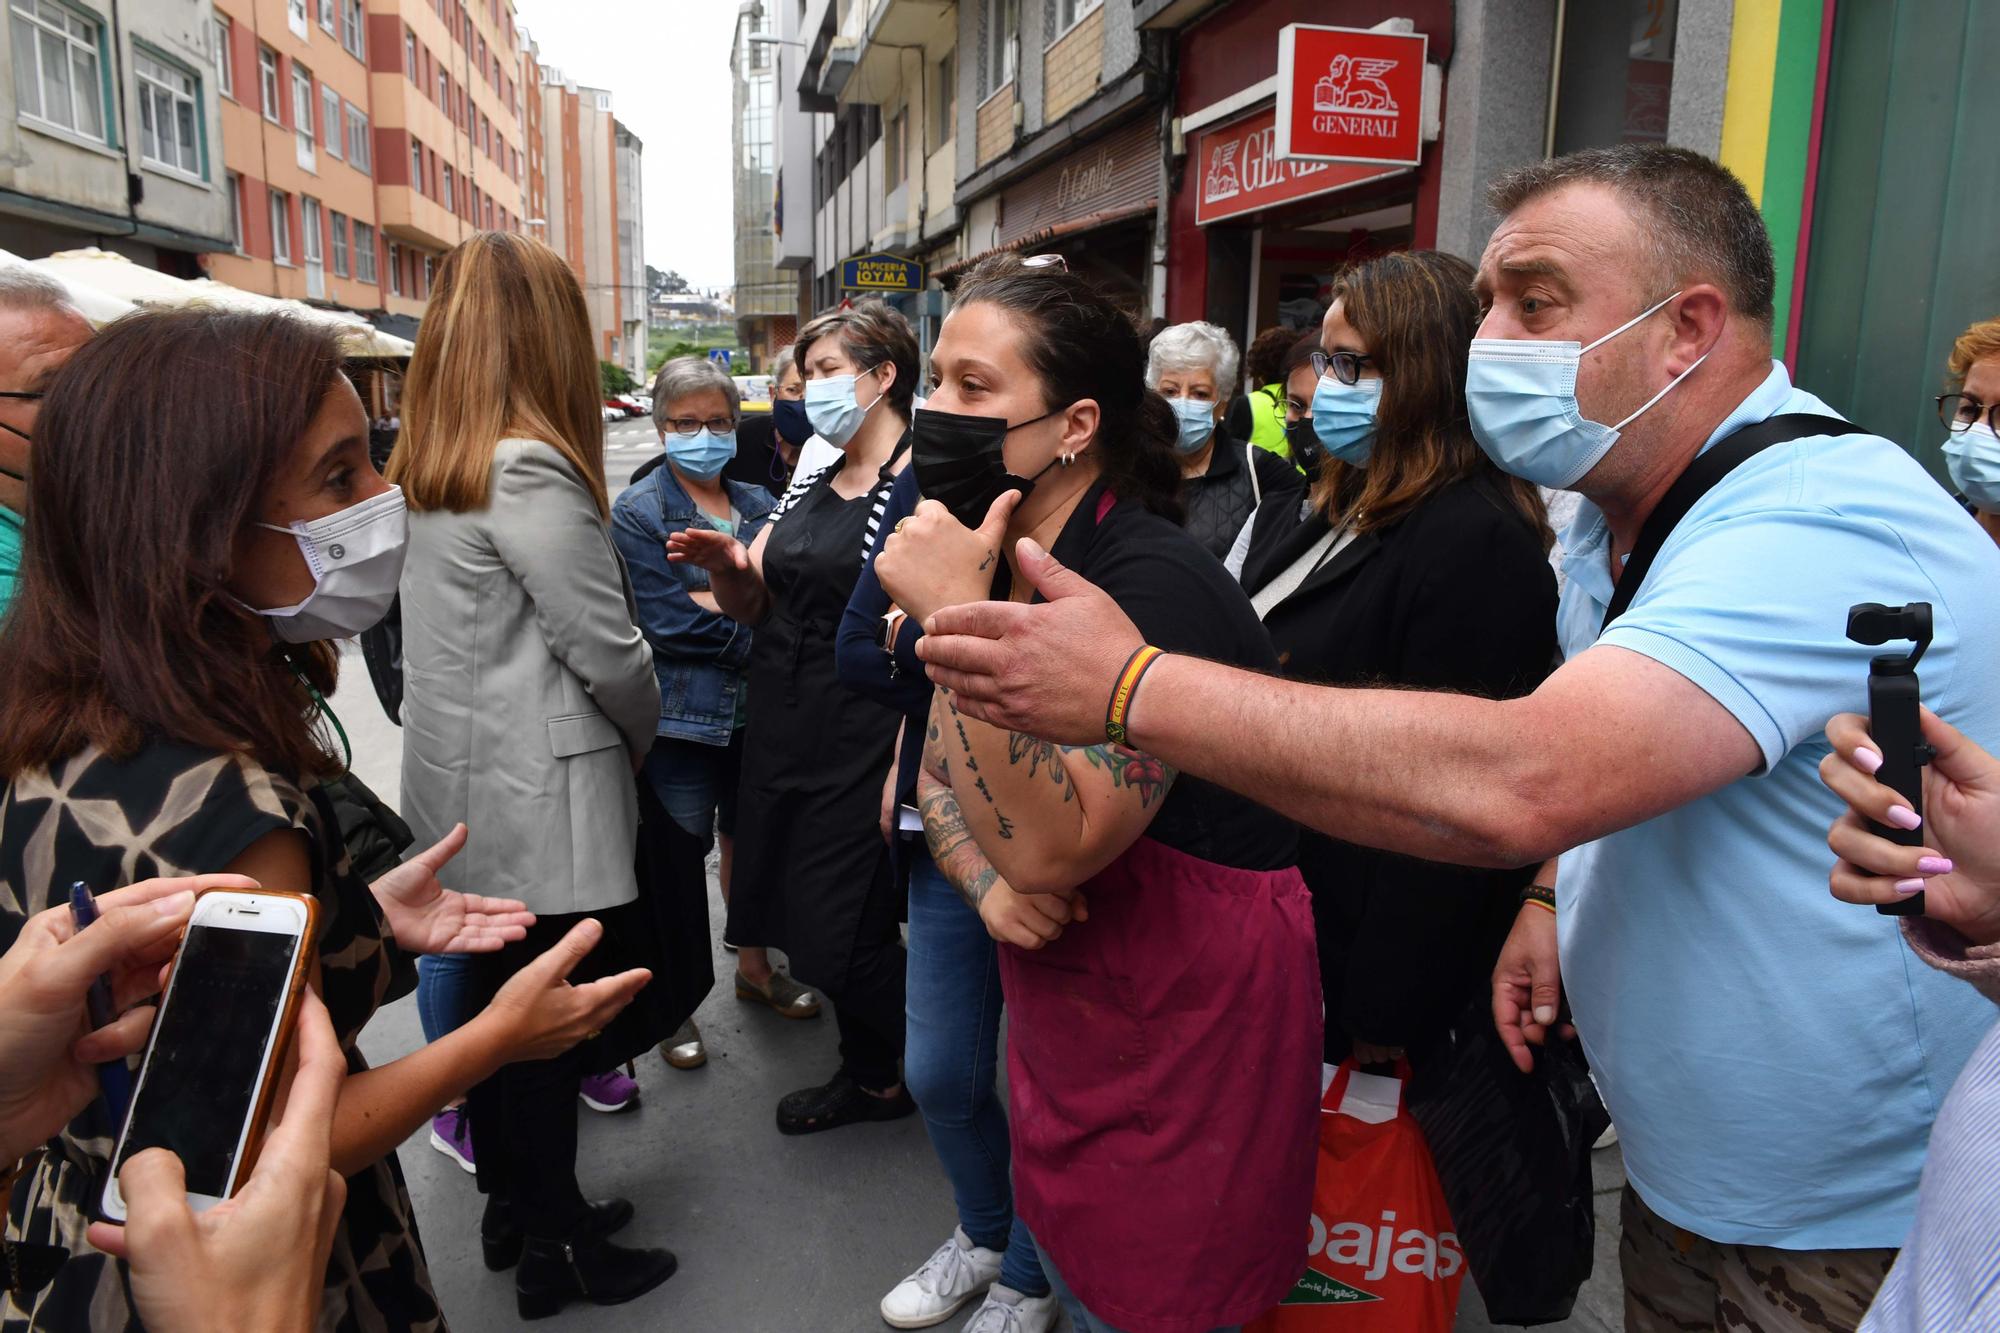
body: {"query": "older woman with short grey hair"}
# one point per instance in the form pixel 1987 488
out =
pixel 39 329
pixel 1193 366
pixel 699 653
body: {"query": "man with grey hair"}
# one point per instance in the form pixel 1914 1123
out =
pixel 39 330
pixel 1773 1058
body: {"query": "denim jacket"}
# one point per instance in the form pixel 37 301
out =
pixel 698 654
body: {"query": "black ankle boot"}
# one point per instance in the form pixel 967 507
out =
pixel 500 1240
pixel 588 1268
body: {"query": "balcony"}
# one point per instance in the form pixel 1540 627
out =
pixel 406 215
pixel 887 42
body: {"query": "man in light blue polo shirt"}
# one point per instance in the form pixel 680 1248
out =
pixel 1773 1058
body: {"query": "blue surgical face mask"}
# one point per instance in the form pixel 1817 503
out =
pixel 1197 418
pixel 1521 396
pixel 701 455
pixel 833 409
pixel 1973 458
pixel 789 419
pixel 1344 418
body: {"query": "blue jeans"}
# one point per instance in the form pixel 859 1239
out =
pixel 441 993
pixel 1082 1320
pixel 951 1059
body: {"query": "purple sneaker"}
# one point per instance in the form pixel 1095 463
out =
pixel 609 1092
pixel 451 1134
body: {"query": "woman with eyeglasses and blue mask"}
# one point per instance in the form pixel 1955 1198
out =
pixel 812 876
pixel 1414 562
pixel 1224 479
pixel 700 655
pixel 1971 418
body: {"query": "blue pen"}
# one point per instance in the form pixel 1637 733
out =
pixel 114 1077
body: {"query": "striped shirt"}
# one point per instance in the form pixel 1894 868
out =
pixel 1948 1275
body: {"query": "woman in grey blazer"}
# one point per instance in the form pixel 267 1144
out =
pixel 529 700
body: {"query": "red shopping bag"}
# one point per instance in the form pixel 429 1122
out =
pixel 1382 1255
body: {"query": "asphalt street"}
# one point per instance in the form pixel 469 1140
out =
pixel 773 1234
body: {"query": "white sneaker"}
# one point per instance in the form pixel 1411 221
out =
pixel 1008 1311
pixel 1606 1139
pixel 934 1293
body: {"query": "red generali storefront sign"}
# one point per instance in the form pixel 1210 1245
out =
pixel 1350 95
pixel 1241 171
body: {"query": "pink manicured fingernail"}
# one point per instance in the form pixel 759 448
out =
pixel 1909 886
pixel 1867 760
pixel 1934 865
pixel 1903 817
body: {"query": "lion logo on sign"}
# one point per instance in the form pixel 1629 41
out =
pixel 1222 182
pixel 1355 86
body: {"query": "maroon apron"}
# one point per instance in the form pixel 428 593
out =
pixel 1163 1060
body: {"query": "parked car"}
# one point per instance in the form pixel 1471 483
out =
pixel 755 391
pixel 611 413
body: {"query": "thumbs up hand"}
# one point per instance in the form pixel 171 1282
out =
pixel 931 560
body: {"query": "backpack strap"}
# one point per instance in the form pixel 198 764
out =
pixel 1702 475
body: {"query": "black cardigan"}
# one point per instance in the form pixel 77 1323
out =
pixel 1456 596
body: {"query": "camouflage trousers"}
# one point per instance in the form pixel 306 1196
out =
pixel 1676 1282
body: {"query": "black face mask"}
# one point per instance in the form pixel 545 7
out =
pixel 788 418
pixel 961 461
pixel 1307 451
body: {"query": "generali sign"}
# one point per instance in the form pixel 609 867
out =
pixel 1350 95
pixel 1242 172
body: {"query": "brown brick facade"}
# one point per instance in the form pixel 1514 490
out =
pixel 996 124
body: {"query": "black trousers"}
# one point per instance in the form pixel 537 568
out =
pixel 868 1002
pixel 524 1116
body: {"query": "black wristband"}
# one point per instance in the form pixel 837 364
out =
pixel 1539 893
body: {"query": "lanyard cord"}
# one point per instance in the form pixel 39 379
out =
pixel 326 711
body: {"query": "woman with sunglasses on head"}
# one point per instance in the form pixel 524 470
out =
pixel 1163 1048
pixel 1971 417
pixel 1414 562
pixel 811 873
pixel 1224 479
pixel 206 520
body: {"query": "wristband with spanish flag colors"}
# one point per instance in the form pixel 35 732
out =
pixel 1541 895
pixel 1136 667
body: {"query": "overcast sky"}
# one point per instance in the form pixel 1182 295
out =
pixel 666 63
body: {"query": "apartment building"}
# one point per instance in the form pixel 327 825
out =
pixel 767 298
pixel 108 131
pixel 597 186
pixel 631 234
pixel 562 159
pixel 298 150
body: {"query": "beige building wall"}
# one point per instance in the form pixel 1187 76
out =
pixel 597 182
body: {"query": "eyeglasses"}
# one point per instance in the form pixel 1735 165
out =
pixel 1346 366
pixel 1046 261
pixel 693 425
pixel 1960 412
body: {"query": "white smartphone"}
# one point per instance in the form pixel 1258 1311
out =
pixel 211 1064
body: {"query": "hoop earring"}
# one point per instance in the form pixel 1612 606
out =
pixel 1067 459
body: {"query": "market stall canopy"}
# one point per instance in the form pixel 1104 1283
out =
pixel 100 308
pixel 358 337
pixel 115 275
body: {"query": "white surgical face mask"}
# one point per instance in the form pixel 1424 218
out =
pixel 356 558
pixel 1972 456
pixel 833 410
pixel 1521 396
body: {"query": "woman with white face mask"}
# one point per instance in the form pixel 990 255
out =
pixel 529 703
pixel 811 874
pixel 1971 417
pixel 1414 562
pixel 1224 479
pixel 206 516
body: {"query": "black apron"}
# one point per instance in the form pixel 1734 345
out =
pixel 809 848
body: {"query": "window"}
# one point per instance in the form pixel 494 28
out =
pixel 894 146
pixel 225 74
pixel 169 111
pixel 430 272
pixel 1003 27
pixel 237 226
pixel 395 269
pixel 326 15
pixel 267 77
pixel 444 89
pixel 417 165
pixel 360 147
pixel 354 29
pixel 364 252
pixel 944 123
pixel 295 15
pixel 281 227
pixel 329 120
pixel 309 216
pixel 338 221
pixel 302 113
pixel 1067 12
pixel 56 77
pixel 409 53
pixel 447 190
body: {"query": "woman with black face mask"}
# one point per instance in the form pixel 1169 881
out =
pixel 1156 952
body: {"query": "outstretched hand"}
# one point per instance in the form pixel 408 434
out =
pixel 716 552
pixel 1045 670
pixel 426 917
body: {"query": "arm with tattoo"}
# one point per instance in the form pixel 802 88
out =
pixel 957 856
pixel 1047 816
